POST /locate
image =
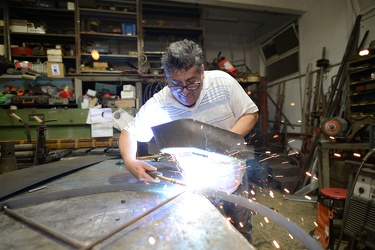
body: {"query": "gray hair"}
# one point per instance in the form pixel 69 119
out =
pixel 182 55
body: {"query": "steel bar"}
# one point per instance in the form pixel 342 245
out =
pixel 43 228
pixel 110 234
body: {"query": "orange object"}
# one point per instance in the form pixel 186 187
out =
pixel 227 66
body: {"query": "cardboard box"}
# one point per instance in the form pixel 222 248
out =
pixel 55 70
pixel 52 58
pixel 54 52
pixel 125 103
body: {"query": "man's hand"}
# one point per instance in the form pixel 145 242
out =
pixel 138 170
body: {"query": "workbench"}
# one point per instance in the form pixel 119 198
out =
pixel 90 203
pixel 324 149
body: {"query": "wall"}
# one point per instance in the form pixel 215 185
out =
pixel 238 35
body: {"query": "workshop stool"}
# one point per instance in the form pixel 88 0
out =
pixel 334 200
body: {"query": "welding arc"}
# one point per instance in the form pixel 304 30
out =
pixel 292 228
pixel 110 234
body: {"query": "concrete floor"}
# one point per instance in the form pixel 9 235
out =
pixel 303 214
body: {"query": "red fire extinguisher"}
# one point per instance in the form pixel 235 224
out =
pixel 227 66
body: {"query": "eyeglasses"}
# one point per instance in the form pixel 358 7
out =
pixel 191 87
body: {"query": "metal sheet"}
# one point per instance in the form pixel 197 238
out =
pixel 192 133
pixel 188 222
pixel 15 181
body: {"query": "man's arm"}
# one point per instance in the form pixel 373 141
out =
pixel 128 151
pixel 245 124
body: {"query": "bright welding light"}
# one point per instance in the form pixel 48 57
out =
pixel 202 169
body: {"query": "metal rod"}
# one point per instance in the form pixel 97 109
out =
pixel 110 234
pixel 45 229
pixel 173 181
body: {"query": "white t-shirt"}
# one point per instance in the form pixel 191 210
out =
pixel 221 103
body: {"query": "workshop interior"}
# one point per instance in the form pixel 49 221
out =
pixel 74 73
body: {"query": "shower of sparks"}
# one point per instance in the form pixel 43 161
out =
pixel 276 244
pixel 356 155
pixel 286 190
pixel 291 236
pixel 151 240
pixel 266 220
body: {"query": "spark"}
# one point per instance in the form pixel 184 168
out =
pixel 275 136
pixel 356 155
pixel 271 194
pixel 316 224
pixel 279 176
pixel 201 126
pixel 291 141
pixel 285 162
pixel 252 192
pixel 337 154
pixel 268 152
pixel 308 197
pixel 151 240
pixel 302 219
pixel 261 224
pixel 286 190
pixel 332 138
pixel 241 225
pixel 291 236
pixel 276 244
pixel 315 177
pixel 308 174
pixel 266 220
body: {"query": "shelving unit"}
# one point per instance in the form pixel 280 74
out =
pixel 362 88
pixel 163 23
pixel 130 36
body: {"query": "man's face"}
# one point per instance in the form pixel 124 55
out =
pixel 186 86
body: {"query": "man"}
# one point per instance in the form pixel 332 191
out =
pixel 212 97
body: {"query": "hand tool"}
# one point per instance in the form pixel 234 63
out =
pixel 159 175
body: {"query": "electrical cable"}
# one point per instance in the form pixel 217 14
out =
pixel 350 193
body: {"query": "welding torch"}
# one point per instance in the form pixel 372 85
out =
pixel 158 175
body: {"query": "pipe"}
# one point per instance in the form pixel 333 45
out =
pixel 292 228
